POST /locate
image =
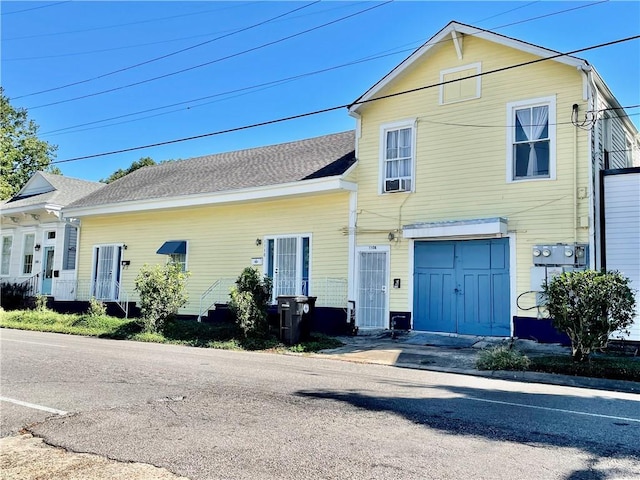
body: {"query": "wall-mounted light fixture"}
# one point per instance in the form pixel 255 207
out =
pixel 37 247
pixel 124 246
pixel 391 236
pixel 125 263
pixel 258 242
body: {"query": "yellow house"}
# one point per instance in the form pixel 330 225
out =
pixel 283 209
pixel 477 161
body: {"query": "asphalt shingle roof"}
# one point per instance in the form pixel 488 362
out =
pixel 318 157
pixel 66 190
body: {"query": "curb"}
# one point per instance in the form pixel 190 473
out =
pixel 622 386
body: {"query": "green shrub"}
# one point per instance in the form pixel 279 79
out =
pixel 589 306
pixel 96 308
pixel 162 291
pixel 502 357
pixel 249 302
pixel 14 295
pixel 41 303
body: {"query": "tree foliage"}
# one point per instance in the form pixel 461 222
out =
pixel 22 153
pixel 162 291
pixel 143 162
pixel 250 301
pixel 590 306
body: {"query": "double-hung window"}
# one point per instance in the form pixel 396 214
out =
pixel 287 264
pixel 27 256
pixel 397 157
pixel 5 263
pixel 531 140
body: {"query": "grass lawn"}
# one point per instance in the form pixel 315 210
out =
pixel 180 332
pixel 602 365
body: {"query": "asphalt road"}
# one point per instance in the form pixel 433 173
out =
pixel 209 414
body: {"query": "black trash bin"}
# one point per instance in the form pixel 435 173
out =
pixel 296 314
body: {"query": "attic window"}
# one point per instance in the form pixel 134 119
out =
pixel 456 87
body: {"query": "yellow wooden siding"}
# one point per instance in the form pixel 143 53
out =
pixel 222 239
pixel 461 157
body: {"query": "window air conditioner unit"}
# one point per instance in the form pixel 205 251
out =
pixel 397 185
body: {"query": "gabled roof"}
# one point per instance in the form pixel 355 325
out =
pixel 314 158
pixel 48 189
pixel 458 30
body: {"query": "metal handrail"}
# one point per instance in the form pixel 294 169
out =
pixel 31 284
pixel 122 299
pixel 218 291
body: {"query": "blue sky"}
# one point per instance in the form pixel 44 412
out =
pixel 238 59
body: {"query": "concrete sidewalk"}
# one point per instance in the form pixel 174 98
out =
pixel 458 354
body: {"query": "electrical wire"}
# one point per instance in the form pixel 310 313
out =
pixel 338 107
pixel 34 8
pixel 228 92
pixel 225 58
pixel 137 45
pixel 237 54
pixel 162 57
pixel 138 22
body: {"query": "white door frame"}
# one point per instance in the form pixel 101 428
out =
pixel 116 269
pixel 373 249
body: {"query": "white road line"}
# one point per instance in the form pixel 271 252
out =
pixel 33 405
pixel 33 343
pixel 561 410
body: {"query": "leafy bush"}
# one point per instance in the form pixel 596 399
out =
pixel 162 291
pixel 249 302
pixel 14 295
pixel 41 303
pixel 96 308
pixel 502 357
pixel 590 306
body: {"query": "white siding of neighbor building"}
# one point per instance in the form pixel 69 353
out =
pixel 622 232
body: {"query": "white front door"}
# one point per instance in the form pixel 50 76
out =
pixel 372 291
pixel 106 273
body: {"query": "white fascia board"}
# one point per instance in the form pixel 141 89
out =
pixel 492 226
pixel 467 30
pixel 307 187
pixel 31 208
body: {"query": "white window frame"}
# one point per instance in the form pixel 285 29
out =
pixel 2 255
pixel 550 102
pixel 478 68
pixel 387 127
pixel 24 252
pixel 299 260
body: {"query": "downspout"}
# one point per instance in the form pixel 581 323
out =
pixel 575 184
pixel 594 176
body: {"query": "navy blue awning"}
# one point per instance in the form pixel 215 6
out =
pixel 173 247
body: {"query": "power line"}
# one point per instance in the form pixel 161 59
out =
pixel 162 57
pixel 498 27
pixel 349 105
pixel 264 45
pixel 138 22
pixel 125 47
pixel 229 92
pixel 34 8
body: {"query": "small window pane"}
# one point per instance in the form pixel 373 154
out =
pixel 6 254
pixel 27 262
pixel 523 125
pixel 521 155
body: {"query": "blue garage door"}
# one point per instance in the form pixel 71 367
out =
pixel 462 287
